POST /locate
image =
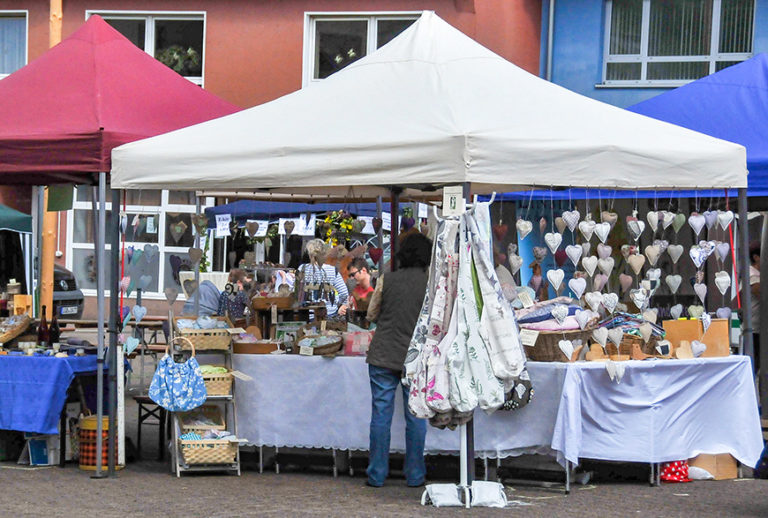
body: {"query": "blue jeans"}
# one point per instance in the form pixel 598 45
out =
pixel 384 383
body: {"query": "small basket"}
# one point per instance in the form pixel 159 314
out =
pixel 208 451
pixel 264 303
pixel 330 349
pixel 205 339
pixel 218 384
pixel 211 412
pixel 630 340
pixel 547 348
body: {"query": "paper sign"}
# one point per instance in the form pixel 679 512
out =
pixel 525 298
pixel 323 325
pixel 236 330
pixel 151 225
pixel 368 228
pixel 423 210
pixel 453 200
pixel 241 376
pixel 528 337
pixel 298 225
pixel 306 351
pixel 222 224
pixel 307 227
pixel 386 221
pixel 263 225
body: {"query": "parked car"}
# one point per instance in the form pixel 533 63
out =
pixel 68 301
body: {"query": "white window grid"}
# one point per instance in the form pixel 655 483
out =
pixel 310 19
pixel 149 35
pixel 25 14
pixel 148 210
pixel 643 58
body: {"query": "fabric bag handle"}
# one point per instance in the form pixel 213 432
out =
pixel 181 338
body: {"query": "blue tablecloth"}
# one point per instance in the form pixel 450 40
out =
pixel 33 390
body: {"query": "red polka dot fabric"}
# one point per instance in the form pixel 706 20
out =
pixel 676 471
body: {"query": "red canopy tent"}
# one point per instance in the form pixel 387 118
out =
pixel 61 115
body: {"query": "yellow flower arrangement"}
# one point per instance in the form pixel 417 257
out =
pixel 337 227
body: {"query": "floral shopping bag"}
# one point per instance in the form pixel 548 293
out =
pixel 178 387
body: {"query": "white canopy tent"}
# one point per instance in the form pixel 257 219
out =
pixel 432 107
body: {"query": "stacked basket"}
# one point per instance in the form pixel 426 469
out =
pixel 205 339
pixel 206 451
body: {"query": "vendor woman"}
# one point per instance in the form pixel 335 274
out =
pixel 362 292
pixel 324 274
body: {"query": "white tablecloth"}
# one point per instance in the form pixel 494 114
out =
pixel 661 411
pixel 314 402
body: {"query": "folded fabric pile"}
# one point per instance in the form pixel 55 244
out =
pixel 213 369
pixel 539 316
pixel 204 322
pixel 630 324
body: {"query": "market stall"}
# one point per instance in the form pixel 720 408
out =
pixel 433 108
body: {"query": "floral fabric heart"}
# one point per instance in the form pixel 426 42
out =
pixel 663 244
pixel 524 227
pixel 539 252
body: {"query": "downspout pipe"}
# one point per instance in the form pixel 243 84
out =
pixel 550 38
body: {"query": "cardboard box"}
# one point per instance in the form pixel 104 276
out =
pixel 717 337
pixel 255 347
pixel 722 466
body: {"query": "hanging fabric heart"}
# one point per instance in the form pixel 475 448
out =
pixel 560 258
pixel 535 282
pixel 609 301
pixel 653 274
pixel 511 249
pixel 577 286
pixel 723 312
pixel 698 348
pixel 625 281
pixel 524 227
pixel 663 347
pixel 232 256
pixel 599 281
pixel 636 262
pixel 130 344
pixel 195 254
pixel 646 285
pixel 566 347
pixel 640 297
pixel 663 244
pixel 375 254
pixel 600 335
pixel 653 220
pixel 586 247
pixel 150 252
pixel 646 330
pixel 606 265
pixel 609 217
pixel 652 252
pixel 571 218
pixel 574 254
pixel 626 251
pixel 560 312
pixel 722 250
pixel 635 227
pixel 190 287
pixel 700 290
pixel 676 311
pixel 594 299
pixel 234 227
pixel 722 281
pixel 250 257
pixel 515 263
pixel 602 230
pixel 135 224
pixel 376 224
pixel 200 222
pixel 144 282
pixel 673 282
pixel 678 221
pixel 697 222
pixel 603 250
pixel 589 264
pixel 553 240
pixel 616 335
pixel 542 225
pixel 651 315
pixel 177 230
pixel 587 228
pixel 706 321
pixel 123 223
pixel 539 253
pixel 710 216
pixel 124 282
pixel 171 294
pixel 675 252
pixel 583 316
pixel 555 278
pixel 666 218
pixel 560 224
pixel 251 227
pixel 139 312
pixel 724 218
pixel 698 255
pixel 499 231
pixel 695 311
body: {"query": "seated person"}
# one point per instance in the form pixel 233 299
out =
pixel 233 302
pixel 362 292
pixel 208 294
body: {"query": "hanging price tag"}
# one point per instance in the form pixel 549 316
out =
pixel 222 224
pixel 306 351
pixel 528 337
pixel 526 299
pixel 453 200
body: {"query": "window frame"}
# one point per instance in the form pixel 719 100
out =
pixel 12 13
pixel 644 59
pixel 161 211
pixel 310 33
pixel 149 33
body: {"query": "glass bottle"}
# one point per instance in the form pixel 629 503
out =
pixel 43 333
pixel 54 332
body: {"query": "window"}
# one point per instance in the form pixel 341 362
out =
pixel 333 41
pixel 13 41
pixel 161 218
pixel 175 39
pixel 674 41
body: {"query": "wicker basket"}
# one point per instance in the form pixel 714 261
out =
pixel 211 412
pixel 324 350
pixel 547 348
pixel 218 384
pixel 629 340
pixel 16 330
pixel 208 451
pixel 205 339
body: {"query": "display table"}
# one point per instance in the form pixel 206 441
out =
pixel 33 390
pixel 662 410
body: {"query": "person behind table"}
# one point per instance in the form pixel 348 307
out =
pixel 395 307
pixel 235 305
pixel 363 291
pixel 754 286
pixel 315 273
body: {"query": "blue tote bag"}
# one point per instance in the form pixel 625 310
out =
pixel 178 387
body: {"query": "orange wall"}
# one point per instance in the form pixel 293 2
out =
pixel 254 48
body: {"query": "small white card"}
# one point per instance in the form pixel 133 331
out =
pixel 151 225
pixel 526 299
pixel 423 210
pixel 235 330
pixel 528 337
pixel 241 376
pixel 222 224
pixel 306 350
pixel 453 200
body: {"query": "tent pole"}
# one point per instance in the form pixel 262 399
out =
pixel 467 453
pixel 394 226
pixel 744 261
pixel 380 234
pixel 197 268
pixel 97 203
pixel 116 412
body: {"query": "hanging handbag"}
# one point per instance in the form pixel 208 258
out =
pixel 178 387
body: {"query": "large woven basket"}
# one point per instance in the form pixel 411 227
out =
pixel 209 451
pixel 313 329
pixel 205 339
pixel 218 384
pixel 547 348
pixel 15 331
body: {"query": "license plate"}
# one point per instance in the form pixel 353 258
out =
pixel 69 310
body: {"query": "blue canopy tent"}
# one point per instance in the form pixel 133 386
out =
pixel 243 210
pixel 11 222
